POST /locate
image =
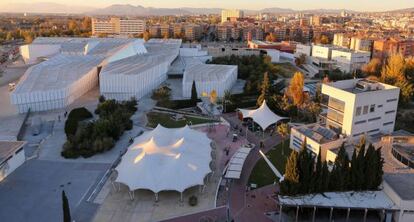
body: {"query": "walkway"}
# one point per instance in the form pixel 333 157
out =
pixel 243 207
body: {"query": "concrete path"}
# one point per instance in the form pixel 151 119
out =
pixel 241 207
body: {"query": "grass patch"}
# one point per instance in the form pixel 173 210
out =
pixel 165 120
pixel 262 175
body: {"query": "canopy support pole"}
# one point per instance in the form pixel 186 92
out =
pixel 131 195
pixel 119 187
pixel 202 190
pixel 347 214
pixel 181 197
pixel 297 213
pixel 314 212
pixel 365 214
pixel 156 197
pixel 330 214
pixel 113 186
pixel 280 213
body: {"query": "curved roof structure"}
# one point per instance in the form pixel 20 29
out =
pixel 166 159
pixel 262 115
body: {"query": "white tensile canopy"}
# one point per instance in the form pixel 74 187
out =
pixel 166 159
pixel 262 115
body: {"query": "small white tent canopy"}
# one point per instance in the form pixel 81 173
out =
pixel 262 115
pixel 166 159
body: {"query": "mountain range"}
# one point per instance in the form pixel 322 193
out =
pixel 131 10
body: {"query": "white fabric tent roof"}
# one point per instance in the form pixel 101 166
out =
pixel 166 159
pixel 262 115
pixel 236 163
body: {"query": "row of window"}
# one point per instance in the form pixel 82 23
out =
pixel 364 110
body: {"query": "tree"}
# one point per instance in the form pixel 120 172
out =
pixel 66 208
pixel 194 94
pixel 283 130
pixel 317 179
pixel 264 89
pixel 271 37
pixel 360 165
pixel 300 60
pixel 213 97
pixel 146 36
pixel 305 167
pixel 290 183
pixel 326 178
pixel 340 171
pixel 295 89
pixel 374 168
pixel 86 24
pixel 227 99
pixel 72 25
pixel 373 68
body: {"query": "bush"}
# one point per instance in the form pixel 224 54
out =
pixel 192 201
pixel 76 115
pixel 178 104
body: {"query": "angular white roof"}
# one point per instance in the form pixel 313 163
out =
pixel 166 159
pixel 208 72
pixel 262 115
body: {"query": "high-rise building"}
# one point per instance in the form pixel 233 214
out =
pixel 117 26
pixel 178 30
pixel 223 32
pixel 165 31
pixel 155 31
pixel 361 44
pixel 229 14
pixel 385 47
pixel 341 40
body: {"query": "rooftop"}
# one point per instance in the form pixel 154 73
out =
pixel 402 184
pixel 7 148
pixel 208 72
pixel 318 133
pixel 357 86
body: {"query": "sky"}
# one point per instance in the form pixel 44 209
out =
pixel 359 5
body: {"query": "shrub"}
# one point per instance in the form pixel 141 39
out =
pixel 76 115
pixel 192 201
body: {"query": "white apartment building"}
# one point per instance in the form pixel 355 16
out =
pixel 117 26
pixel 358 106
pixel 348 61
pixel 341 40
pixel 227 14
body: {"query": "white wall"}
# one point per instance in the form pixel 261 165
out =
pixel 349 61
pixel 192 52
pixel 323 52
pixel 303 49
pixel 32 52
pixel 12 164
pixel 274 55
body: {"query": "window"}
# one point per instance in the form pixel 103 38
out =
pixel 391 111
pixel 380 106
pixel 391 100
pixel 372 108
pixel 388 123
pixel 374 130
pixel 358 111
pixel 360 122
pixel 19 150
pixel 365 111
pixel 373 119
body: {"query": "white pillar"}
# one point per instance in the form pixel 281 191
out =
pixel 297 213
pixel 330 214
pixel 181 196
pixel 365 214
pixel 347 214
pixel 156 197
pixel 280 213
pixel 314 212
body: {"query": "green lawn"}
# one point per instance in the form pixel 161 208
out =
pixel 262 175
pixel 165 120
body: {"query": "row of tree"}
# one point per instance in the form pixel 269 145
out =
pixel 304 176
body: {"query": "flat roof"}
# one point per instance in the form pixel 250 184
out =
pixel 7 149
pixel 208 72
pixel 402 184
pixel 353 85
pixel 351 199
pixel 317 132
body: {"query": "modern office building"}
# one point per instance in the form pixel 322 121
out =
pixel 209 77
pixel 361 44
pixel 117 26
pixel 231 14
pixel 192 32
pixel 358 106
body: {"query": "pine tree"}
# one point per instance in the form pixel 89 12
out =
pixel 317 179
pixel 290 183
pixel 194 95
pixel 361 165
pixel 66 209
pixel 380 170
pixel 371 168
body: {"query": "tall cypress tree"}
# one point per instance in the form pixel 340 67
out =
pixel 371 168
pixel 360 165
pixel 340 171
pixel 326 177
pixel 305 165
pixel 290 183
pixel 66 209
pixel 194 94
pixel 380 171
pixel 353 177
pixel 317 179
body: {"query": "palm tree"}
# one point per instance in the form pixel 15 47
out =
pixel 283 130
pixel 226 99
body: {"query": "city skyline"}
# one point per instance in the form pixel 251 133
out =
pixel 367 5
